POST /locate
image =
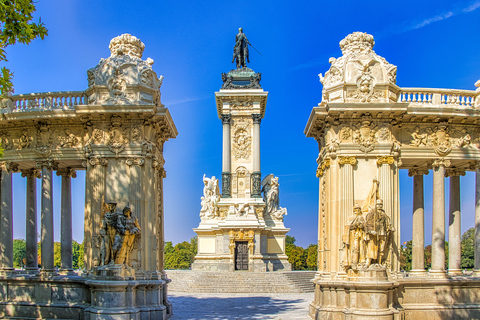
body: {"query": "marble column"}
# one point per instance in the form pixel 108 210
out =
pixel 66 219
pixel 438 217
pixel 226 155
pixel 31 220
pixel 418 222
pixel 6 235
pixel 256 175
pixel 476 270
pixel 47 240
pixel 454 225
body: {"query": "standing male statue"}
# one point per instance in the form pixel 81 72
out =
pixel 240 50
pixel 378 233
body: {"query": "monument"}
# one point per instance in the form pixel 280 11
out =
pixel 115 130
pixel 368 129
pixel 242 227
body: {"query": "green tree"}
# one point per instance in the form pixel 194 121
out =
pixel 57 256
pixel 181 255
pixel 468 248
pixel 290 240
pixel 312 256
pixel 428 257
pixel 19 253
pixel 16 26
pixel 406 256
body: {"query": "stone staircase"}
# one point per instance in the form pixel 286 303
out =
pixel 240 281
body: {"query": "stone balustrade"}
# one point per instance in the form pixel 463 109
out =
pixel 65 100
pixel 443 97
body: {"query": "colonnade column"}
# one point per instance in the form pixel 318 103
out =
pixel 476 270
pixel 47 242
pixel 256 175
pixel 418 222
pixel 66 219
pixel 454 225
pixel 31 220
pixel 6 233
pixel 226 163
pixel 438 217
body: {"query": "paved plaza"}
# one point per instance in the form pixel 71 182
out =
pixel 236 306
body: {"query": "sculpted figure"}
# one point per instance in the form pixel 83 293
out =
pixel 240 50
pixel 131 229
pixel 466 139
pixel 270 189
pixel 70 140
pixel 418 138
pixel 111 232
pixel 353 239
pixel 211 195
pixel 378 234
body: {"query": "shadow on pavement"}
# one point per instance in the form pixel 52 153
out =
pixel 190 307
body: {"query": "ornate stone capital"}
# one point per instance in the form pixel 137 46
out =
pixel 474 165
pixel 8 166
pixel 49 164
pixel 441 162
pixel 135 161
pixel 31 173
pixel 417 171
pixel 67 172
pixel 226 118
pixel 257 118
pixel 347 160
pixel 322 167
pixel 454 172
pixel 95 160
pixel 385 160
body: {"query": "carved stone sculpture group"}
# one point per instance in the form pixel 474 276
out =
pixel 118 233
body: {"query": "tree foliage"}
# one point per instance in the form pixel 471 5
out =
pixel 181 255
pixel 16 26
pixel 19 253
pixel 406 256
pixel 300 258
pixel 468 248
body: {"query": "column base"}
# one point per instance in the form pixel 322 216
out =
pixel 7 271
pixel 438 273
pixel 476 273
pixel 455 272
pixel 67 272
pixel 30 270
pixel 417 273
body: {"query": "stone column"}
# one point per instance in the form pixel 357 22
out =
pixel 418 222
pixel 476 270
pixel 6 234
pixel 47 241
pixel 438 217
pixel 94 193
pixel 226 164
pixel 66 219
pixel 386 167
pixel 347 190
pixel 454 225
pixel 256 175
pixel 31 220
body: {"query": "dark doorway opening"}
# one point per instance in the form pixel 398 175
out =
pixel 241 255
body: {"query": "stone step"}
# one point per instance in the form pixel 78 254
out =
pixel 240 282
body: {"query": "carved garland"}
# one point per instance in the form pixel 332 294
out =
pixel 321 167
pixel 242 139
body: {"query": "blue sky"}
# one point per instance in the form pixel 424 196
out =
pixel 433 43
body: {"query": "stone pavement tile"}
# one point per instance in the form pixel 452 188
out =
pixel 238 306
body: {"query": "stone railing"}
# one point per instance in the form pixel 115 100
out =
pixel 442 97
pixel 64 100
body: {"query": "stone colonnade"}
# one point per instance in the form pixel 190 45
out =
pixel 441 169
pixel 43 170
